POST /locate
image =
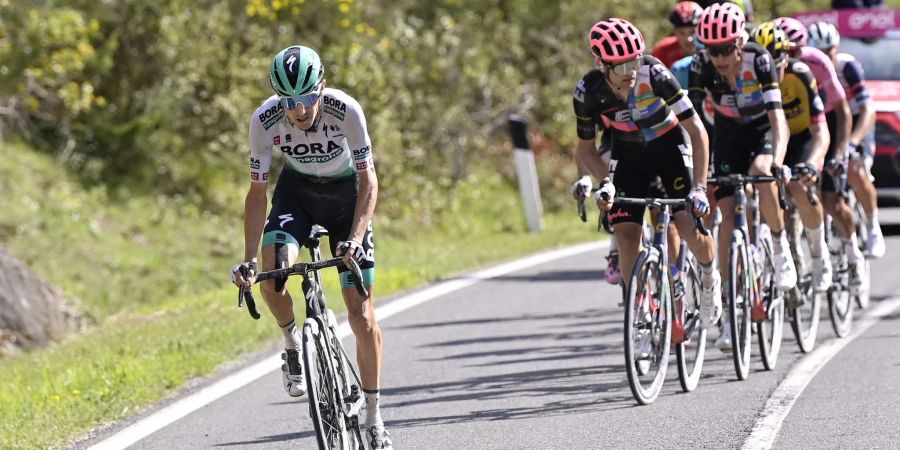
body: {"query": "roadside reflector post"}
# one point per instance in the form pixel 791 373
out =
pixel 527 174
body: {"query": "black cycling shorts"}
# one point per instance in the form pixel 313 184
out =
pixel 300 201
pixel 799 149
pixel 635 167
pixel 734 148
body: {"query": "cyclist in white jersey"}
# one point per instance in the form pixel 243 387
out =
pixel 329 180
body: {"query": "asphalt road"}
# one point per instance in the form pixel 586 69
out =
pixel 533 359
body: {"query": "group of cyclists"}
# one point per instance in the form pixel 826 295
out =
pixel 715 98
pixel 722 97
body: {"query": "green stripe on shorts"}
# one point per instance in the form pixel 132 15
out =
pixel 279 237
pixel 368 276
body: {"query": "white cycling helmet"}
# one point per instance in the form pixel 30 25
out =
pixel 823 35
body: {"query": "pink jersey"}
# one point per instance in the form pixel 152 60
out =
pixel 830 88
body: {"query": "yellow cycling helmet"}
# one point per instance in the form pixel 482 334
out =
pixel 772 39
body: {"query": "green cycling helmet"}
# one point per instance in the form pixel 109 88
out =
pixel 296 70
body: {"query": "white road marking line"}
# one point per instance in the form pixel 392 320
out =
pixel 779 404
pixel 187 405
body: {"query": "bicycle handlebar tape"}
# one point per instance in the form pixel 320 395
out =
pixel 356 274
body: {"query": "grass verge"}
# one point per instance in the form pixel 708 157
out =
pixel 158 327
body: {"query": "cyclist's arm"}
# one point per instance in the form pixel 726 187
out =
pixel 358 139
pixel 818 129
pixel 844 122
pixel 864 124
pixel 700 148
pixel 256 202
pixel 588 157
pixel 766 71
pixel 819 144
pixel 780 134
pixel 255 205
pixel 365 203
pixel 856 82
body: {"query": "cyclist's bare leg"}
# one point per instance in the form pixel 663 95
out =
pixel 811 215
pixel 361 315
pixel 280 304
pixel 858 179
pixel 629 238
pixel 840 212
pixel 769 207
pixel 701 246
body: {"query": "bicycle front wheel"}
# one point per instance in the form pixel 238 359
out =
pixel 840 302
pixel 739 292
pixel 803 303
pixel 648 327
pixel 690 351
pixel 349 389
pixel 770 330
pixel 321 390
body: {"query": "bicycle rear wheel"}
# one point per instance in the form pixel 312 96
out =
pixel 770 331
pixel 689 353
pixel 802 302
pixel 739 293
pixel 321 390
pixel 648 316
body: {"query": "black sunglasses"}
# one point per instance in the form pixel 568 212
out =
pixel 722 50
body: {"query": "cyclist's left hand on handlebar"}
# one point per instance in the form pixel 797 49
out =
pixel 784 171
pixel 699 201
pixel 350 249
pixel 809 176
pixel 581 187
pixel 244 274
pixel 604 196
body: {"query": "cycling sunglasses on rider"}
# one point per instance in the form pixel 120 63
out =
pixel 307 100
pixel 721 50
pixel 626 67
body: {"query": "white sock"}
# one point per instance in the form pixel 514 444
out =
pixel 781 243
pixel 872 221
pixel 373 411
pixel 613 245
pixel 851 247
pixel 706 273
pixel 816 240
pixel 291 335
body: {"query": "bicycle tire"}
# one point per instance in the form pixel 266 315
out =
pixel 739 304
pixel 840 302
pixel 690 353
pixel 320 389
pixel 804 317
pixel 647 270
pixel 349 389
pixel 862 293
pixel 770 331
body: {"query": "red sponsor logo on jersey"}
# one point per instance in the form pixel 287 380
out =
pixel 277 140
pixel 266 176
pixel 254 176
pixel 362 165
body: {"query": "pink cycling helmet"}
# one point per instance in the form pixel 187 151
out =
pixel 721 23
pixel 616 40
pixel 794 30
pixel 685 14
